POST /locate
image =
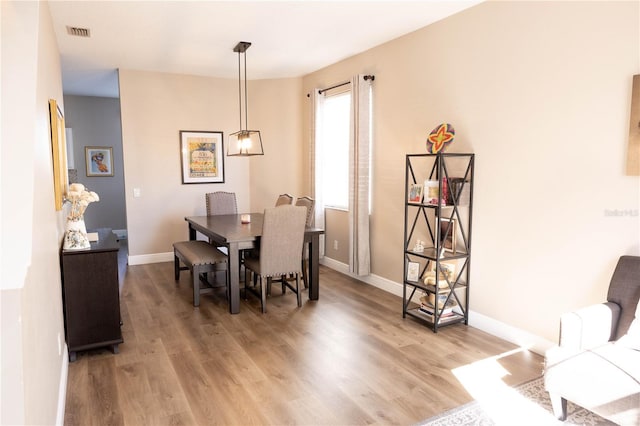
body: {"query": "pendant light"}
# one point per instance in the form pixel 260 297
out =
pixel 244 142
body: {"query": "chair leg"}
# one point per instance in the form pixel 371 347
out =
pixel 559 405
pixel 305 278
pixel 176 266
pixel 298 294
pixel 263 295
pixel 246 281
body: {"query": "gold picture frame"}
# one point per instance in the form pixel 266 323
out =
pixel 59 154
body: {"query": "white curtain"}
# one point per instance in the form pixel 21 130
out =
pixel 359 158
pixel 315 162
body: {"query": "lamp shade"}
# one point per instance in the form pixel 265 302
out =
pixel 245 143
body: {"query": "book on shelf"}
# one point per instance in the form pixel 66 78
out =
pixel 432 192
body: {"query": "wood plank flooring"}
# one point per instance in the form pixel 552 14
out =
pixel 347 359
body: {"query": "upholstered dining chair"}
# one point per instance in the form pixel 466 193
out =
pixel 280 251
pixel 284 200
pixel 221 202
pixel 309 203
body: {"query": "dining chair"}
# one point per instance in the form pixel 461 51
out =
pixel 309 203
pixel 221 202
pixel 284 200
pixel 280 252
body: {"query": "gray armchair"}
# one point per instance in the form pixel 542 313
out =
pixel 597 362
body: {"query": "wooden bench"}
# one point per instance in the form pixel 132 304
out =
pixel 200 257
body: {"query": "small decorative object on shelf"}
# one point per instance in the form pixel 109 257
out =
pixel 440 137
pixel 75 237
pixel 440 228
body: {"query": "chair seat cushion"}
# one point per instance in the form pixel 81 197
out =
pixel 605 380
pixel 198 253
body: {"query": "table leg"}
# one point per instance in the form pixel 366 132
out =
pixel 192 233
pixel 314 266
pixel 234 278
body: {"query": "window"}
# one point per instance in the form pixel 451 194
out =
pixel 335 150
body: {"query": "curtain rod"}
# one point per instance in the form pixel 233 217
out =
pixel 366 77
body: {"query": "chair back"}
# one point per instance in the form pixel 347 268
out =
pixel 624 290
pixel 281 241
pixel 284 200
pixel 221 202
pixel 309 203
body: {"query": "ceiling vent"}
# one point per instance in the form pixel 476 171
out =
pixel 78 32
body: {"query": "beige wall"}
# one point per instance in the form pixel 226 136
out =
pixel 540 91
pixel 336 226
pixel 33 364
pixel 156 106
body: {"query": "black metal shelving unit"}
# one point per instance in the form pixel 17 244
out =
pixel 444 224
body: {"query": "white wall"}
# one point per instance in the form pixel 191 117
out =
pixel 540 91
pixel 33 353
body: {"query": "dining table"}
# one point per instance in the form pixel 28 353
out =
pixel 238 232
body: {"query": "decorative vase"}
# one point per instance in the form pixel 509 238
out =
pixel 75 236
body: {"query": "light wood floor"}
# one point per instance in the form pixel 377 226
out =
pixel 349 358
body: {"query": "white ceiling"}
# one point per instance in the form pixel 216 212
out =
pixel 289 38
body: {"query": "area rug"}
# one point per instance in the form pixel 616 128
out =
pixel 529 405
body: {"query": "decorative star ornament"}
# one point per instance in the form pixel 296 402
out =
pixel 440 137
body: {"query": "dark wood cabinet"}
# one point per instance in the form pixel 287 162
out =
pixel 91 295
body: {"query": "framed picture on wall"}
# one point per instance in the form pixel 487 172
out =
pixel 99 160
pixel 202 157
pixel 59 151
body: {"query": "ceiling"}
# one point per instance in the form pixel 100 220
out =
pixel 289 38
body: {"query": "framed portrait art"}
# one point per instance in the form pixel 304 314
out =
pixel 99 160
pixel 202 157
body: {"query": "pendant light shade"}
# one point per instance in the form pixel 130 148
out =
pixel 244 142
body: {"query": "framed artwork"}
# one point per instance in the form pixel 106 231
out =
pixel 413 271
pixel 202 157
pixel 99 160
pixel 59 151
pixel 448 230
pixel 415 193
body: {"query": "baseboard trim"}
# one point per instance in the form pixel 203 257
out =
pixel 62 389
pixel 482 322
pixel 143 259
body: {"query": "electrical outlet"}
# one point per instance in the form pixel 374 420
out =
pixel 335 244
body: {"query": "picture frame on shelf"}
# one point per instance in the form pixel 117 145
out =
pixel 415 193
pixel 99 160
pixel 413 271
pixel 448 231
pixel 202 156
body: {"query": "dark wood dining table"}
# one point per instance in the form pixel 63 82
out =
pixel 230 232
